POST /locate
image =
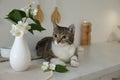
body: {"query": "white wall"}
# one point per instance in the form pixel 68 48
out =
pixel 103 14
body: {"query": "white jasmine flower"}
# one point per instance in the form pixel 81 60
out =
pixel 23 26
pixel 31 3
pixel 35 12
pixel 28 8
pixel 28 27
pixel 20 28
pixel 20 22
pixel 13 26
pixel 52 66
pixel 46 63
pixel 45 66
pixel 25 7
pixel 16 32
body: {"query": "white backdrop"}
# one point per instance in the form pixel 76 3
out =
pixel 103 14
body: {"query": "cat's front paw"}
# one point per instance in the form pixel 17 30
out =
pixel 74 61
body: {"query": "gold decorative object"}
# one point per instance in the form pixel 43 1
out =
pixel 86 33
pixel 56 17
pixel 40 15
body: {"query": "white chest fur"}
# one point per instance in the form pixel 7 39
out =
pixel 63 52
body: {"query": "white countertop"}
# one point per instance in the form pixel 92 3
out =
pixel 97 60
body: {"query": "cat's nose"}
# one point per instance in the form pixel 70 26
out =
pixel 59 40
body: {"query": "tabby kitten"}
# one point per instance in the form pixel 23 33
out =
pixel 59 49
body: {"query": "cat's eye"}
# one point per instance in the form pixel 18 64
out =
pixel 55 35
pixel 64 37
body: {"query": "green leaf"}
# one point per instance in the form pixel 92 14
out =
pixel 61 69
pixel 16 15
pixel 31 31
pixel 36 26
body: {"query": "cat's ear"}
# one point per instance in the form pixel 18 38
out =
pixel 72 28
pixel 54 25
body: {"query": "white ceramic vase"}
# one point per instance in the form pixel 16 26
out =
pixel 20 57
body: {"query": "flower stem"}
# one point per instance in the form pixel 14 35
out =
pixel 25 19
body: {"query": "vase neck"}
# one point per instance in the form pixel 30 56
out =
pixel 22 36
